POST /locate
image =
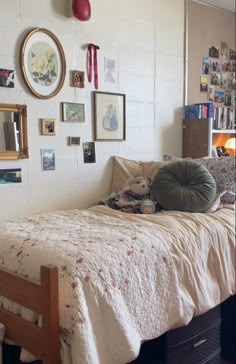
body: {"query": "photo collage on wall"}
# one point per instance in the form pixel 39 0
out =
pixel 218 75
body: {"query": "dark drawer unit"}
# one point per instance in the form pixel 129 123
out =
pixel 196 343
pixel 228 329
pixel 199 349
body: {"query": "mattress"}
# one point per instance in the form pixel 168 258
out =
pixel 124 278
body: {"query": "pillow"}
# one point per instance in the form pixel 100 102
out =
pixel 184 186
pixel 223 172
pixel 123 169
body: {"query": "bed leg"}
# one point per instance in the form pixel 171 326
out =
pixel 50 314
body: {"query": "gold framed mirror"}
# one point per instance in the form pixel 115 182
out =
pixel 13 131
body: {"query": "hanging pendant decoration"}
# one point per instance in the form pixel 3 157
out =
pixel 92 51
pixel 81 9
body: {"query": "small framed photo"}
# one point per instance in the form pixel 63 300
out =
pixel 48 126
pixel 48 159
pixel 109 116
pixel 89 152
pixel 73 112
pixel 78 79
pixel 73 140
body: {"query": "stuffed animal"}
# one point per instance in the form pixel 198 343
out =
pixel 134 197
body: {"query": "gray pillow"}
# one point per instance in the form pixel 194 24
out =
pixel 184 186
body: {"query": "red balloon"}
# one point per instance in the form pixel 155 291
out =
pixel 81 9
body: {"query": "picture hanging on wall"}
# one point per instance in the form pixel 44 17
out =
pixel 219 96
pixel 206 65
pixel 78 79
pixel 73 112
pixel 73 140
pixel 215 79
pixel 6 78
pixel 224 50
pixel 109 116
pixel 48 159
pixel 8 176
pixel 214 52
pixel 43 63
pixel 211 93
pixel 89 152
pixel 109 70
pixel 203 83
pixel 48 126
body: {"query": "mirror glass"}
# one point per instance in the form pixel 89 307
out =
pixel 13 131
pixel 9 131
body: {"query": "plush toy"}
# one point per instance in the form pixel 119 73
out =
pixel 134 197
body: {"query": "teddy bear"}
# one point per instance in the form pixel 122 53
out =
pixel 134 197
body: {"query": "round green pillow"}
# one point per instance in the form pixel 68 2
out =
pixel 184 186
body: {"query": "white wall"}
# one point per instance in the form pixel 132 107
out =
pixel 146 39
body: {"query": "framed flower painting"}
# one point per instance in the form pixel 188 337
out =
pixel 43 63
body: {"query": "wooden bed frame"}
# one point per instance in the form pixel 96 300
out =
pixel 42 298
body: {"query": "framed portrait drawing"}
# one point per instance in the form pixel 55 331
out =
pixel 109 116
pixel 43 63
pixel 73 112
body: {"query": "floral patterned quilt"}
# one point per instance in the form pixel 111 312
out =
pixel 124 278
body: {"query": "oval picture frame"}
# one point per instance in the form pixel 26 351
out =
pixel 43 63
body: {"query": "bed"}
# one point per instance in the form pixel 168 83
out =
pixel 123 279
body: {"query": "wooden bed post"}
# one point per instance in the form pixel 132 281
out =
pixel 50 314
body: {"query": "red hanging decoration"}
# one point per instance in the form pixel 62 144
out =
pixel 81 9
pixel 93 47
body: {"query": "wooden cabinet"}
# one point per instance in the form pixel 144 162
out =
pixel 199 137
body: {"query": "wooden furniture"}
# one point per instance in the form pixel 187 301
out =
pixel 199 137
pixel 13 146
pixel 42 298
pixel 199 342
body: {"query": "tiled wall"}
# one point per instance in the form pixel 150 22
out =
pixel 146 40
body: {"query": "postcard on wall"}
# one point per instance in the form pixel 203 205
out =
pixel 109 70
pixel 211 93
pixel 215 79
pixel 215 65
pixel 232 54
pixel 6 78
pixel 224 50
pixel 48 159
pixel 225 66
pixel 219 96
pixel 228 98
pixel 214 52
pixel 206 65
pixel 224 80
pixel 203 83
pixel 231 81
pixel 89 152
pixel 10 176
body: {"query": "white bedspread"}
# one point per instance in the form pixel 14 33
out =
pixel 124 278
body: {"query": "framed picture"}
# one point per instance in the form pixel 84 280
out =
pixel 73 112
pixel 48 159
pixel 43 63
pixel 73 140
pixel 109 116
pixel 89 152
pixel 78 79
pixel 48 126
pixel 10 176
